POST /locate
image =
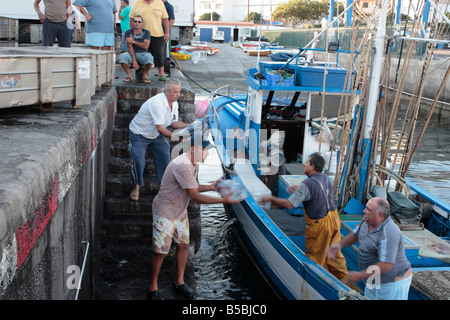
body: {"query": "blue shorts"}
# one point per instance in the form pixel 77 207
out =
pixel 142 58
pixel 100 39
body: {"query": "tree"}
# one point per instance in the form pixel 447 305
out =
pixel 254 16
pixel 302 10
pixel 207 16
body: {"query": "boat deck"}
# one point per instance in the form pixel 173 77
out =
pixel 291 225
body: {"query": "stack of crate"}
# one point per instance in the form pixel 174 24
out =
pixel 9 32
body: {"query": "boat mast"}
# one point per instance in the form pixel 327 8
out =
pixel 374 93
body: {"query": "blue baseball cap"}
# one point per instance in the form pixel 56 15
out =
pixel 201 140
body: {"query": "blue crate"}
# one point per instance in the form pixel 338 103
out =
pixel 312 76
pixel 273 79
pixel 287 82
pixel 439 225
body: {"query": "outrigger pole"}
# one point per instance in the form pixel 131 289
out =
pixel 372 101
pixel 314 39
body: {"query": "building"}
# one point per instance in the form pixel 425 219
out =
pixel 236 10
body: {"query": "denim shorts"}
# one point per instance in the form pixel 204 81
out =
pixel 142 58
pixel 100 39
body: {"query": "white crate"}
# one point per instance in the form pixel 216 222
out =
pixel 197 56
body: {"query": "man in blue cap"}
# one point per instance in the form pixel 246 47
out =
pixel 170 220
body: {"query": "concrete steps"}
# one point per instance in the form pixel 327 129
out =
pixel 127 225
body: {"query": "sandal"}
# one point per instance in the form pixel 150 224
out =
pixel 145 80
pixel 134 195
pixel 162 78
pixel 127 79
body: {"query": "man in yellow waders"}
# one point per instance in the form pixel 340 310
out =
pixel 323 225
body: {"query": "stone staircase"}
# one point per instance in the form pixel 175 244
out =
pixel 127 225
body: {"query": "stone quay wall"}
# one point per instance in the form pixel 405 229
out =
pixel 52 184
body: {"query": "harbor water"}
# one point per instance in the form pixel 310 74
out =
pixel 223 272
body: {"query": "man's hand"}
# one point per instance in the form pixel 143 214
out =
pixel 41 17
pixel 227 199
pixel 333 250
pixel 214 184
pixel 265 199
pixel 129 39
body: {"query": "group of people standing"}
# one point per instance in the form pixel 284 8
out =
pixel 145 29
pixel 145 34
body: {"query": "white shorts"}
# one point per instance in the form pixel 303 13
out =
pixel 397 290
pixel 164 230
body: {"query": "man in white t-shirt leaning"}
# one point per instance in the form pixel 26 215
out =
pixel 149 129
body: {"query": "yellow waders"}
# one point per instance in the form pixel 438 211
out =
pixel 319 235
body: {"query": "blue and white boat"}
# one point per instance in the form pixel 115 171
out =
pixel 263 138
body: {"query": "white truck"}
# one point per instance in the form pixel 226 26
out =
pixel 218 36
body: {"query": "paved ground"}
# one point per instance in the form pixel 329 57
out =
pixel 228 67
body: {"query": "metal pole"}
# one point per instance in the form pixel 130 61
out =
pixel 82 268
pixel 373 100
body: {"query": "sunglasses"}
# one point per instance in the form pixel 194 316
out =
pixel 137 21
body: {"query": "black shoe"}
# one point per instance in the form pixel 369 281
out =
pixel 154 295
pixel 184 290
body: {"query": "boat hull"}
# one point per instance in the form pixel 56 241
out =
pixel 263 52
pixel 237 129
pixel 285 268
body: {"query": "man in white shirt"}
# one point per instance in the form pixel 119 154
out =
pixel 149 129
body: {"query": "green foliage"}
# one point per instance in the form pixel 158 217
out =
pixel 207 16
pixel 303 10
pixel 255 17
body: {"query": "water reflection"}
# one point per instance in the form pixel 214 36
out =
pixel 430 168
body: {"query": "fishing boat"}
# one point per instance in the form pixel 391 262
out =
pixel 249 46
pixel 260 52
pixel 291 110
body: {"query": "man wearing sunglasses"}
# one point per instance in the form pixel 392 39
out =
pixel 137 40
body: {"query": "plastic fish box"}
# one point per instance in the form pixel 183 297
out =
pixel 284 182
pixel 180 55
pixel 312 76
